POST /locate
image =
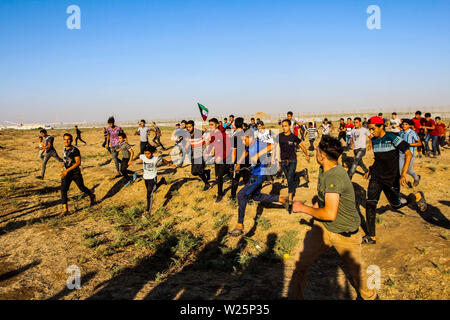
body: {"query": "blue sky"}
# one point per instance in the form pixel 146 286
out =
pixel 156 59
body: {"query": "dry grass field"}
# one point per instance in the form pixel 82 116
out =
pixel 183 251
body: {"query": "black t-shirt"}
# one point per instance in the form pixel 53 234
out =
pixel 78 132
pixel 239 145
pixel 287 146
pixel 69 157
pixel 386 150
pixel 49 141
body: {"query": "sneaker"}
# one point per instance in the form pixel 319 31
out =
pixel 128 183
pixel 416 182
pixel 219 198
pixel 208 174
pixel 207 187
pixel 135 177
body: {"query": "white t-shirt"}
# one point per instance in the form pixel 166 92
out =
pixel 394 124
pixel 143 133
pixel 265 136
pixel 150 166
pixel 359 138
pixel 326 128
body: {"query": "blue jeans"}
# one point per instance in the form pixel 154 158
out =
pixel 348 139
pixel 252 190
pixel 434 142
pixel 410 169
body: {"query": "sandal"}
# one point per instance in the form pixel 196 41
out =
pixel 422 203
pixel 236 232
pixel 368 240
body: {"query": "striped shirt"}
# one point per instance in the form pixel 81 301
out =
pixel 410 136
pixel 312 133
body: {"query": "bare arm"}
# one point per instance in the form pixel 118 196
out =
pixel 327 213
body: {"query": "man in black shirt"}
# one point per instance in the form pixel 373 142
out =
pixel 72 172
pixel 240 158
pixel 49 151
pixel 78 136
pixel 195 147
pixel 385 174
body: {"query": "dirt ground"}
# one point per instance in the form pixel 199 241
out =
pixel 184 252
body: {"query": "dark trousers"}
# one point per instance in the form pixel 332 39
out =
pixel 311 144
pixel 252 190
pixel 49 154
pixel 289 168
pixel 392 193
pixel 434 143
pixel 157 141
pixel 114 156
pixel 142 146
pixel 441 143
pixel 358 161
pixel 150 185
pixel 245 174
pixel 67 180
pixel 421 148
pixel 124 168
pixel 79 138
pixel 221 170
pixel 199 170
pixel 104 144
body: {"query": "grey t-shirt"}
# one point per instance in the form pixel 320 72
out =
pixel 143 133
pixel 125 149
pixel 359 138
pixel 336 180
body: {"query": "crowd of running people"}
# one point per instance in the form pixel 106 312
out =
pixel 254 154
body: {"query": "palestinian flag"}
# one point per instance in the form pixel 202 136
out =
pixel 203 111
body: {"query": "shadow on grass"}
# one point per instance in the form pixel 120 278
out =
pixel 213 274
pixel 18 271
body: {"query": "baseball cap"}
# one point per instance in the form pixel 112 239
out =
pixel 376 120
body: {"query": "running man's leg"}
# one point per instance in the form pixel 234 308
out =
pixel 373 196
pixel 289 170
pixel 410 169
pixel 150 185
pixel 359 154
pixel 47 157
pixel 435 145
pixel 349 248
pixel 427 139
pixel 65 184
pixel 220 169
pixel 114 156
pixel 245 194
pixel 78 178
pixel 124 168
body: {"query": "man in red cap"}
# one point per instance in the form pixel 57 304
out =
pixel 385 174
